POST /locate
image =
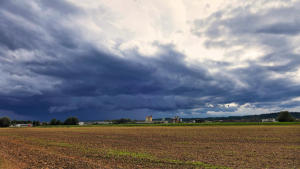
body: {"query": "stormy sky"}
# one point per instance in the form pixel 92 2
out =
pixel 111 59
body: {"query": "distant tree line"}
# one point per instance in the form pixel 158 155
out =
pixel 123 121
pixel 34 123
pixel 68 121
pixel 6 122
pixel 285 116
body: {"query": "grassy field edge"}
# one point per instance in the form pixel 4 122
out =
pixel 182 124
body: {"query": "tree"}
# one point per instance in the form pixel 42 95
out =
pixel 122 121
pixel 53 122
pixel 4 122
pixel 13 122
pixel 285 116
pixel 44 123
pixel 58 122
pixel 199 120
pixel 71 121
pixel 36 123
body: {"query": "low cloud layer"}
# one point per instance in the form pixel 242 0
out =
pixel 59 59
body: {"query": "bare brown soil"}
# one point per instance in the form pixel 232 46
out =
pixel 151 147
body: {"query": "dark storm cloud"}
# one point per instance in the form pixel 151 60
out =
pixel 48 70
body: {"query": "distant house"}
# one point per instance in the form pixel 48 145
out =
pixel 163 120
pixel 103 122
pixel 176 119
pixel 23 125
pixel 148 119
pixel 268 120
pixel 81 123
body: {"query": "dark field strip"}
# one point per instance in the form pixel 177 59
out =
pixel 256 146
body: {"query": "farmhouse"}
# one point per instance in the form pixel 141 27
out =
pixel 176 119
pixel 148 119
pixel 102 122
pixel 23 125
pixel 268 120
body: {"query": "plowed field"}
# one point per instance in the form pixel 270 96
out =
pixel 151 147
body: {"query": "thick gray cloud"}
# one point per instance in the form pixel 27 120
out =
pixel 273 29
pixel 49 69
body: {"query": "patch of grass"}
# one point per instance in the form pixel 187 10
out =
pixel 229 153
pixel 263 138
pixel 153 159
pixel 292 147
pixel 49 143
pixel 60 144
pixel 129 154
pixel 6 134
pixel 42 141
pixel 192 163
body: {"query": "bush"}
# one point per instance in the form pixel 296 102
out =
pixel 44 123
pixel 14 122
pixel 58 122
pixel 122 121
pixel 4 122
pixel 199 120
pixel 36 123
pixel 53 122
pixel 285 116
pixel 71 121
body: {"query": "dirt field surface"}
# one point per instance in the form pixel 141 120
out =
pixel 151 147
